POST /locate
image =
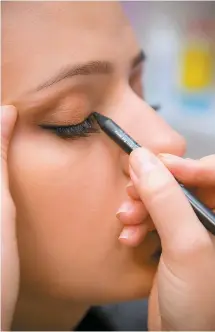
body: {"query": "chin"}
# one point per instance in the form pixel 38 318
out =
pixel 137 281
pixel 126 275
pixel 132 288
pixel 134 284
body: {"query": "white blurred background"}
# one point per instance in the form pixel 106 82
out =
pixel 178 39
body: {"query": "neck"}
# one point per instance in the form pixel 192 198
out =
pixel 34 313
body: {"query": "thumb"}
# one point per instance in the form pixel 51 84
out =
pixel 174 219
pixel 8 119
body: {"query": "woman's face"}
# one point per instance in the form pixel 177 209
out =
pixel 62 61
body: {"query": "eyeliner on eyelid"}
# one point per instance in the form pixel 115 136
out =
pixel 83 129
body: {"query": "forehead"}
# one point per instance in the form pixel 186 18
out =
pixel 41 37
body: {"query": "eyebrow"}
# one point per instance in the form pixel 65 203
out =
pixel 89 68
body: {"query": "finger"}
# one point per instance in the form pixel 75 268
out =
pixel 133 235
pixel 174 219
pixel 207 196
pixel 8 119
pixel 131 191
pixel 189 171
pixel 131 212
pixel 154 318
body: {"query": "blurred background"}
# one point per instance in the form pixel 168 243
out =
pixel 178 38
pixel 179 41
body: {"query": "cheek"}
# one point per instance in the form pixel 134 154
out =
pixel 63 190
pixel 67 195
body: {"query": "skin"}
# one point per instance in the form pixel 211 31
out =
pixel 72 250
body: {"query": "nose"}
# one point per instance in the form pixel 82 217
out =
pixel 140 121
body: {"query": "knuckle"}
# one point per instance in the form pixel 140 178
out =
pixel 192 248
pixel 158 186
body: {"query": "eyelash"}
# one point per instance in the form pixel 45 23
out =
pixel 83 129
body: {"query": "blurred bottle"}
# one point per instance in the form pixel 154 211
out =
pixel 197 66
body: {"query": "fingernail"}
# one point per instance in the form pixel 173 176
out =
pixel 126 233
pixel 170 157
pixel 130 184
pixel 142 160
pixel 3 110
pixel 6 108
pixel 124 208
pixel 6 113
pixel 131 191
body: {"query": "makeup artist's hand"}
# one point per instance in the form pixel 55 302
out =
pixel 198 175
pixel 183 293
pixel 9 255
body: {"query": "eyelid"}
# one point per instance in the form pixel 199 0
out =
pixel 83 129
pixel 55 125
pixel 72 120
pixel 35 104
pixel 90 118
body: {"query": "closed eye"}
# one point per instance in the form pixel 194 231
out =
pixel 84 129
